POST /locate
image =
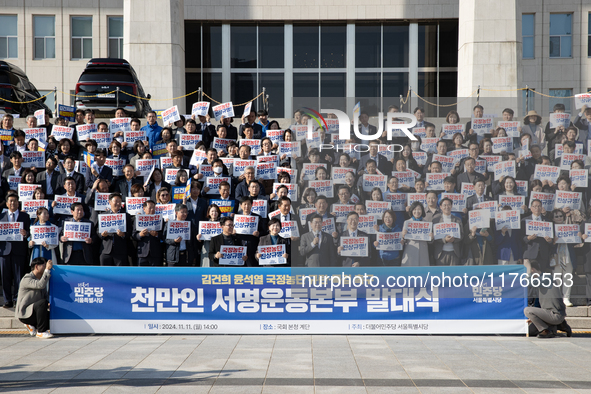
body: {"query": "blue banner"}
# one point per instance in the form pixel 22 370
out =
pixel 403 300
pixel 65 111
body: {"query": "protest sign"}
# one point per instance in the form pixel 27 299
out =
pixel 276 136
pixel 267 171
pixel 340 211
pixel 371 181
pixel 259 207
pixel 447 162
pixel 377 208
pixel 458 154
pixel 246 224
pixel 482 126
pixel 355 246
pixel 449 130
pixel 539 228
pixel 571 200
pixel 546 173
pixel 148 222
pixel 291 149
pixel 166 210
pixel 515 202
pixel 145 166
pixel 200 108
pixel 112 222
pixel 479 218
pixel 504 168
pixel 84 131
pixel 11 231
pixel 33 159
pixel 420 157
pixel 389 241
pixel 26 191
pixel 31 206
pixel 435 180
pixel 547 200
pixel 502 144
pixel 232 255
pixel 458 200
pixel 443 229
pixel 226 110
pixel 568 158
pixel 47 234
pixel 429 145
pixel 467 189
pixel 221 144
pixel 511 128
pixel 397 201
pixel 116 166
pixel 134 205
pixel 491 160
pixel 558 119
pixel 117 125
pixel 510 219
pixel 255 145
pixel 289 228
pixel 417 230
pixel 367 222
pixel 309 170
pixel 61 132
pixel 77 231
pixel 40 115
pixel 103 140
pixel 324 188
pixel 170 115
pixel 213 183
pixel 132 136
pixel 209 230
pixel 39 133
pixel 67 112
pixel 339 173
pixel 405 178
pixel 420 197
pixel 101 201
pixel 567 233
pixel 579 178
pixel 178 228
pixel 271 254
pixel 159 150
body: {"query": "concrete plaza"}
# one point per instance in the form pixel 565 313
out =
pixel 295 364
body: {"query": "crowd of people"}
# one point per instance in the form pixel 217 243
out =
pixel 327 207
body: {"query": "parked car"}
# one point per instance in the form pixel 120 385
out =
pixel 97 89
pixel 15 86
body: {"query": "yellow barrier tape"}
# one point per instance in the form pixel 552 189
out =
pixel 25 102
pixel 404 101
pixel 445 105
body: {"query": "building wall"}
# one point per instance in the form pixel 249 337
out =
pixel 61 72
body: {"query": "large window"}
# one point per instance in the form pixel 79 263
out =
pixel 44 30
pixel 116 37
pixel 81 37
pixel 527 35
pixel 8 36
pixel 561 35
pixel 317 60
pixel 560 96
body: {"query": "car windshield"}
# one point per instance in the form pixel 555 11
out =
pixel 106 76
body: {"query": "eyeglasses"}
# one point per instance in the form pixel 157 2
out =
pixel 558 217
pixel 164 194
pixel 229 225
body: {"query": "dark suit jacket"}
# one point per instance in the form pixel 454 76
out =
pixel 438 243
pixel 152 189
pixel 41 179
pixel 363 261
pixel 215 246
pixel 207 133
pixel 258 131
pixel 537 249
pixel 78 177
pixel 371 129
pixel 86 248
pixel 149 244
pixel 463 178
pixel 266 241
pixel 384 165
pixel 16 247
pixel 325 256
pixel 112 243
pixel 173 249
pixel 121 186
pixel 106 173
pixel 473 200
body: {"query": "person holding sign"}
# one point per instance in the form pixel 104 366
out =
pixel 537 250
pixel 99 169
pixel 149 242
pixel 531 126
pixel 564 256
pixel 78 248
pixel 583 122
pixel 416 253
pixel 13 254
pixel 317 247
pixel 250 240
pixel 226 238
pixel 508 243
pixel 249 121
pixel 213 215
pixel 448 250
pixel 69 171
pixel 353 232
pixel 273 238
pixel 44 250
pixel 179 252
pixel 152 129
pixel 114 247
pixel 389 258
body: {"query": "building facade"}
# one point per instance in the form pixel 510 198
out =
pixel 373 52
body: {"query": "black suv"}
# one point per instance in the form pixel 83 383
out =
pixel 97 89
pixel 15 86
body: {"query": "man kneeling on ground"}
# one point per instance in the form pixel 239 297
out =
pixel 32 305
pixel 550 317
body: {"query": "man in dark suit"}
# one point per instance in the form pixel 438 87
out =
pixel 77 252
pixel 149 243
pixel 48 179
pixel 321 204
pixel 470 176
pixel 537 250
pixel 16 169
pixel 352 231
pixel 206 130
pixel 172 147
pixel 68 171
pixel 13 254
pixel 100 170
pixel 384 166
pixel 197 210
pixel 317 247
pixel 180 253
pixel 448 251
pixel 251 122
pixel 124 185
pixel 114 247
pixel 479 196
pixel 364 127
pixel 226 238
pixel 252 240
pixel 583 122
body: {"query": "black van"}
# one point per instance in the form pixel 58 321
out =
pixel 97 89
pixel 15 86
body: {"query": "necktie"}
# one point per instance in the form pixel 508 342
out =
pixel 480 199
pixel 12 217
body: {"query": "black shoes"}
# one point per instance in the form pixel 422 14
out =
pixel 546 334
pixel 566 328
pixel 8 305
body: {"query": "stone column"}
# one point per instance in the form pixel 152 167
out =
pixel 489 54
pixel 154 44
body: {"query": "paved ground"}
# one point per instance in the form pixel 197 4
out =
pixel 295 364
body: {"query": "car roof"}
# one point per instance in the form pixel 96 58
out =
pixel 101 62
pixel 12 68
